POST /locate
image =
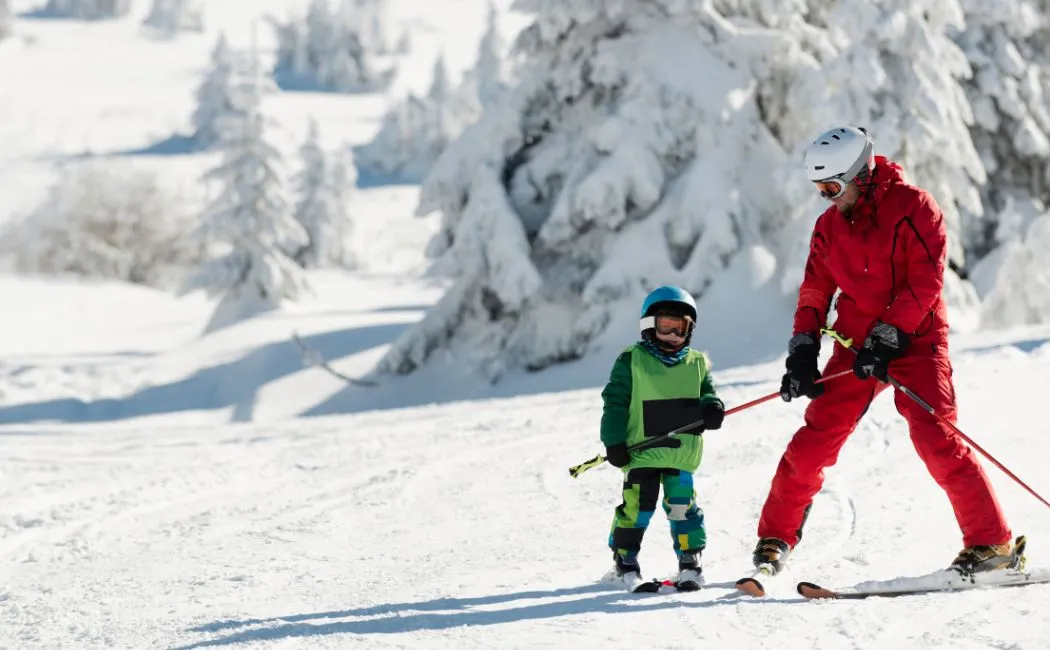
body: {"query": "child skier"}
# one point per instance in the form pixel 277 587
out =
pixel 657 385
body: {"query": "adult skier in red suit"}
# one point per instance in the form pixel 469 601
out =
pixel 882 244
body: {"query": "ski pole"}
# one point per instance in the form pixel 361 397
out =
pixel 576 470
pixel 848 344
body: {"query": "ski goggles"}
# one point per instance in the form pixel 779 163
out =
pixel 831 188
pixel 679 325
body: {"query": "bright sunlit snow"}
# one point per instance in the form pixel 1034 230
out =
pixel 167 485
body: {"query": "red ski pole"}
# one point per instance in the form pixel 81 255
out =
pixel 848 344
pixel 576 470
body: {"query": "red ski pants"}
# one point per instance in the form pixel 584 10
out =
pixel 832 417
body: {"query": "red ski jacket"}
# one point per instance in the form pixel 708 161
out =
pixel 887 257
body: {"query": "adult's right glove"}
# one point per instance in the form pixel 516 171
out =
pixel 802 373
pixel 617 454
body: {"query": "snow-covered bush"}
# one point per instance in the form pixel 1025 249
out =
pixel 169 17
pixel 88 9
pixel 331 49
pixel 323 187
pixel 630 154
pixel 108 221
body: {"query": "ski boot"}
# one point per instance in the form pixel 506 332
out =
pixel 770 555
pixel 978 559
pixel 630 572
pixel 690 573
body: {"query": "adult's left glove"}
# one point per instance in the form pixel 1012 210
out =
pixel 713 413
pixel 617 454
pixel 884 344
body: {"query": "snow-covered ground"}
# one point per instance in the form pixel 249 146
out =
pixel 166 487
pixel 443 523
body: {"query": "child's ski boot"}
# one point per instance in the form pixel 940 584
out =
pixel 690 573
pixel 631 575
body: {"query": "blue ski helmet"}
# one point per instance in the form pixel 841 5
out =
pixel 666 294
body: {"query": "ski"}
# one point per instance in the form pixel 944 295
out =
pixel 312 357
pixel 655 585
pixel 753 585
pixel 947 580
pixel 944 580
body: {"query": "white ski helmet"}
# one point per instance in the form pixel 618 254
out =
pixel 841 154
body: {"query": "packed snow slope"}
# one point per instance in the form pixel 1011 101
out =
pixel 164 487
pixel 450 523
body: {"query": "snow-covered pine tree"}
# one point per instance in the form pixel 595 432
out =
pixel 440 86
pixel 169 17
pixel 898 72
pixel 888 65
pixel 88 9
pixel 400 149
pixel 613 166
pixel 369 20
pixel 416 130
pixel 784 52
pixel 1021 294
pixel 1006 43
pixel 327 49
pixel 323 188
pixel 251 223
pixel 215 95
pixel 7 20
pixel 489 68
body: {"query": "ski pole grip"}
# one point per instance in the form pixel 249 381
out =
pixel 576 470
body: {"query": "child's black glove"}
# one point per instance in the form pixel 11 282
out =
pixel 713 413
pixel 617 454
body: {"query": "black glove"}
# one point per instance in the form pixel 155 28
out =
pixel 802 373
pixel 713 413
pixel 617 454
pixel 884 344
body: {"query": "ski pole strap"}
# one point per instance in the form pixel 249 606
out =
pixel 845 342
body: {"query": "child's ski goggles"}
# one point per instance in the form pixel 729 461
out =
pixel 678 325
